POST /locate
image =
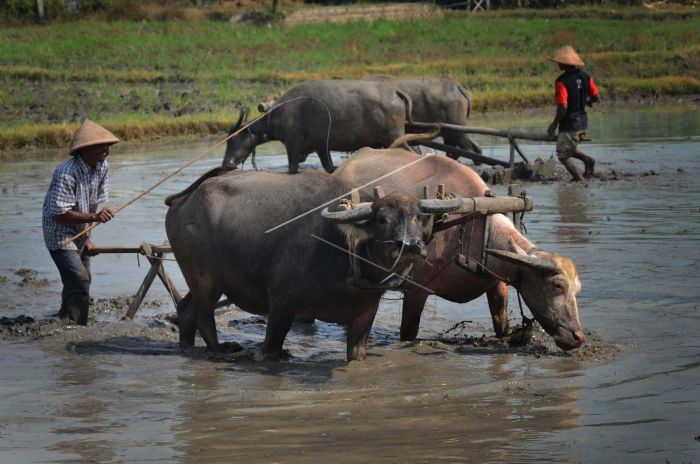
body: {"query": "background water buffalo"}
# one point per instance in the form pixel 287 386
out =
pixel 548 282
pixel 319 116
pixel 438 99
pixel 219 235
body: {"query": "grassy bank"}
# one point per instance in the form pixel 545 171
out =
pixel 152 79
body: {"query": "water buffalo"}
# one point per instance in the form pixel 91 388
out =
pixel 548 282
pixel 220 234
pixel 438 99
pixel 319 116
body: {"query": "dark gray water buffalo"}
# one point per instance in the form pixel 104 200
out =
pixel 320 116
pixel 220 235
pixel 548 282
pixel 438 99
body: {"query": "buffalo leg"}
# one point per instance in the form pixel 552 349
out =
pixel 498 305
pixel 203 305
pixel 293 166
pixel 279 322
pixel 294 154
pixel 326 160
pixel 186 323
pixel 413 304
pixel 358 332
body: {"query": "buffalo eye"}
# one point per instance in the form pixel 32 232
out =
pixel 381 220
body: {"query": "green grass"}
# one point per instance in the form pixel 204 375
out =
pixel 167 77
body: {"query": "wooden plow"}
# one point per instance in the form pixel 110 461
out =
pixel 155 255
pixel 510 135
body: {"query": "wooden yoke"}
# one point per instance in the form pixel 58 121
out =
pixel 474 224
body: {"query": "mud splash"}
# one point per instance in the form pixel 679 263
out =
pixel 550 170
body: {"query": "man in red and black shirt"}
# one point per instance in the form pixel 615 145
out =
pixel 573 90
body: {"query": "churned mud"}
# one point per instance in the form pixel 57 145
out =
pixel 550 170
pixel 159 335
pixel 526 339
pixel 29 279
pixel 23 326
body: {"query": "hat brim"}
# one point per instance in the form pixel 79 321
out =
pixel 73 150
pixel 568 63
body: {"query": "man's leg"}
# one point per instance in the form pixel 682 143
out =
pixel 588 162
pixel 566 148
pixel 75 275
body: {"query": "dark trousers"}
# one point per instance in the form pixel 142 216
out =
pixel 75 275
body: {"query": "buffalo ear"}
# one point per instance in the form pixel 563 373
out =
pixel 520 260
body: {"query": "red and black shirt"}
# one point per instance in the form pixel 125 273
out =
pixel 571 90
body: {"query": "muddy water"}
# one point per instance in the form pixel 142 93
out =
pixel 122 392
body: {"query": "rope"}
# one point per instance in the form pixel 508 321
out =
pixel 526 320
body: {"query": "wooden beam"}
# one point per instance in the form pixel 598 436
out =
pixel 493 205
pixel 486 131
pixel 466 153
pixel 114 250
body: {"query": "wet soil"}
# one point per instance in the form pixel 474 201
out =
pixel 550 170
pixel 29 279
pixel 24 326
pixel 526 339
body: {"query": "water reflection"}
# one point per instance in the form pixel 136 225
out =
pixel 85 426
pixel 572 206
pixel 391 407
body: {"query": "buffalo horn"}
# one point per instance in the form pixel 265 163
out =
pixel 350 215
pixel 530 261
pixel 441 206
pixel 241 116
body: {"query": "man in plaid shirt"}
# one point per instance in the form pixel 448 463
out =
pixel 78 186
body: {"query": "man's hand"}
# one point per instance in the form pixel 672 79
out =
pixel 552 130
pixel 90 249
pixel 104 215
pixel 592 100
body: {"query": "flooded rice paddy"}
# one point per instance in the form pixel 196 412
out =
pixel 119 391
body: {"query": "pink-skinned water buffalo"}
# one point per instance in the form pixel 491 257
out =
pixel 548 282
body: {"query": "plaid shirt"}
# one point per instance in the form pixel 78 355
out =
pixel 78 187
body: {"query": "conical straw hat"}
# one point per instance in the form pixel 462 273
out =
pixel 90 134
pixel 566 55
